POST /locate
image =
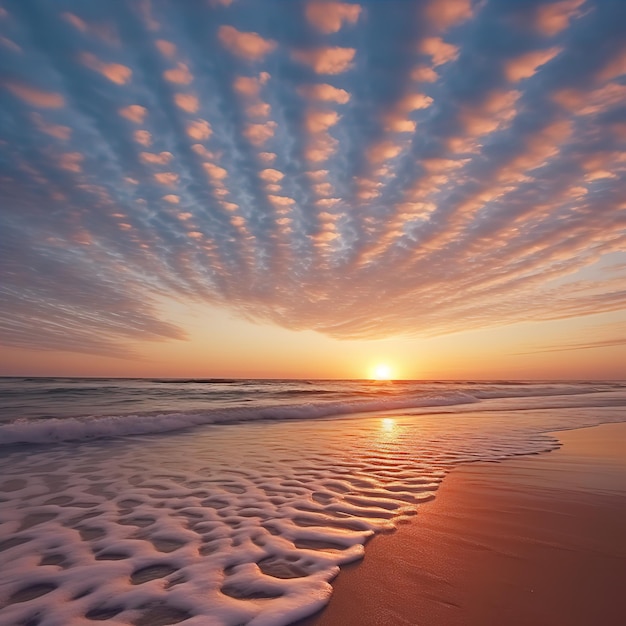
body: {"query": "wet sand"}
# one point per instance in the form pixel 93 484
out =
pixel 535 540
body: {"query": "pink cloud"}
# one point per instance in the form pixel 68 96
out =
pixel 134 113
pixel 329 17
pixel 199 130
pixel 171 198
pixel 317 175
pixel 258 134
pixel 328 60
pixel 166 48
pixel 318 121
pixel 155 159
pixel 281 201
pixel 71 161
pixel 187 102
pixel 414 102
pixel 143 137
pixel 591 102
pixel 36 97
pixel 440 51
pixel 271 175
pixel 552 18
pixel 323 189
pixel 54 130
pixel 258 109
pixel 249 46
pixel 424 74
pixel 215 172
pixel 180 75
pixel 267 157
pixel 75 21
pixel 320 147
pixel 496 110
pixel 166 178
pixel 445 13
pixel 615 68
pixel 324 93
pixel 115 72
pixel 398 124
pixel 527 64
pixel 383 151
pixel 327 203
pixel 250 85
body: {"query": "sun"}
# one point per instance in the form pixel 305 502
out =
pixel 382 371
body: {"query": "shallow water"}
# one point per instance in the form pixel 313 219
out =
pixel 239 523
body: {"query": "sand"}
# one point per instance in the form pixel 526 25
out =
pixel 537 540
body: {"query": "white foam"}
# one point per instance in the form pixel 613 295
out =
pixel 228 524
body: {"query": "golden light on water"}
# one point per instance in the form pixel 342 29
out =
pixel 387 424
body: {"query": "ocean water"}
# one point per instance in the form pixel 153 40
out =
pixel 229 502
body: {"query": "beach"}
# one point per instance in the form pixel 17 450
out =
pixel 259 502
pixel 531 540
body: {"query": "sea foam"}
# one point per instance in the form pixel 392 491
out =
pixel 95 427
pixel 229 524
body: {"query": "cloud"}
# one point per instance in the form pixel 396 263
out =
pixel 163 158
pixel 134 113
pixel 324 93
pixel 496 109
pixel 467 171
pixel 329 17
pixel 271 175
pixel 316 121
pixel 54 130
pixel 142 137
pixel 384 150
pixel 199 130
pixel 248 46
pixel 443 14
pixel 250 85
pixel 180 75
pixel 615 67
pixel 527 64
pixel 71 161
pixel 328 60
pixel 75 21
pixel 258 134
pixel 166 48
pixel 187 102
pixel 424 74
pixel 115 72
pixel 35 97
pixel 553 17
pixel 166 178
pixel 215 172
pixel 440 51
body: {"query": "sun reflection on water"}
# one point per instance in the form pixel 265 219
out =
pixel 388 424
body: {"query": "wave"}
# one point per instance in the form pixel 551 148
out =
pixel 96 427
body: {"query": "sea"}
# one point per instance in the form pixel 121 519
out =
pixel 228 502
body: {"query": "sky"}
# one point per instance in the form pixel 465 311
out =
pixel 287 188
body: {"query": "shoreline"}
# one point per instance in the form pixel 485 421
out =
pixel 534 539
